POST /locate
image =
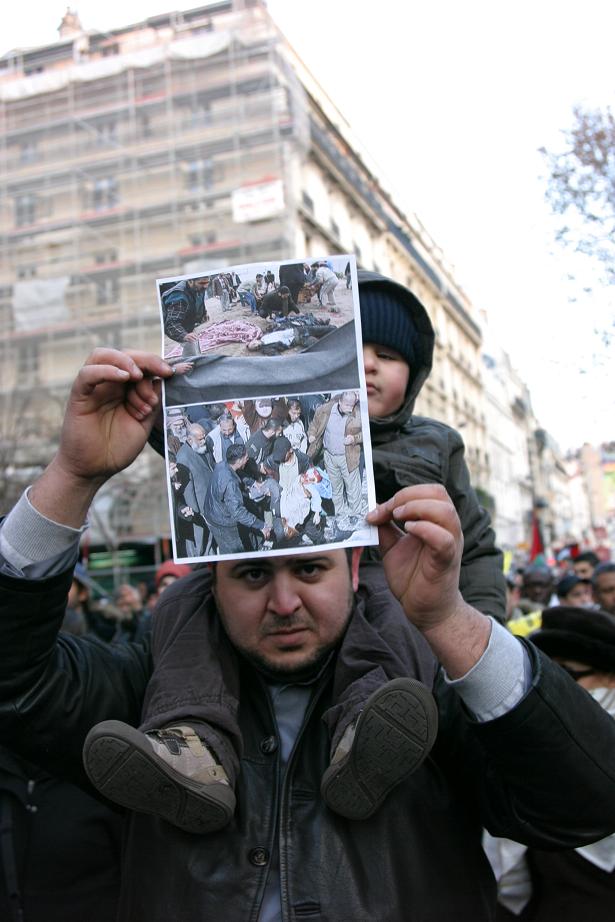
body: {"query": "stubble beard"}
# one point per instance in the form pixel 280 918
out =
pixel 313 661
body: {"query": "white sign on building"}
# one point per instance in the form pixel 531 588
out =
pixel 257 201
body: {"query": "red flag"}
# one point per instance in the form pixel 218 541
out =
pixel 537 547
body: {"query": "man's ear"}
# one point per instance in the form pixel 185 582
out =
pixel 355 560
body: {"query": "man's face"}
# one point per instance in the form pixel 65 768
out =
pixel 346 403
pixel 580 595
pixel 537 588
pixel 177 425
pixel 286 613
pixel 386 377
pixel 197 439
pixel 604 591
pixel 227 427
pixel 294 413
pixel 201 283
pixel 583 569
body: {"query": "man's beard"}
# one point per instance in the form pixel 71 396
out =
pixel 308 668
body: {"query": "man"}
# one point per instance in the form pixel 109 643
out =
pixel 572 590
pixel 192 455
pixel 260 445
pixel 183 308
pixel 505 759
pixel 336 428
pixel 537 885
pixel 536 588
pixel 584 564
pixel 603 587
pixel 326 280
pixel 277 302
pixel 221 437
pixel 225 508
pixel 292 275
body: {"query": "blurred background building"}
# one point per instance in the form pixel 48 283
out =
pixel 188 142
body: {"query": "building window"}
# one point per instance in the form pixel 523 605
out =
pixel 28 152
pixel 202 174
pixel 357 250
pixel 28 360
pixel 308 202
pixel 107 290
pixel 25 209
pixel 26 272
pixel 335 230
pixel 106 133
pixel 102 257
pixel 104 193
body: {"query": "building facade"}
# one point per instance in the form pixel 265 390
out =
pixel 182 143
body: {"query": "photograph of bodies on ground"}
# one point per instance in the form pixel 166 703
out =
pixel 219 327
pixel 253 470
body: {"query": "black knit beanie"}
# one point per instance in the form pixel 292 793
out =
pixel 386 320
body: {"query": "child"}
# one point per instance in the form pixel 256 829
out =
pixel 183 762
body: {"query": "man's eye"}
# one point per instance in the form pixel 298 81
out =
pixel 310 570
pixel 254 575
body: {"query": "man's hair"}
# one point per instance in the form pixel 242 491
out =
pixel 225 416
pixel 294 403
pixel 271 425
pixel 607 567
pixel 235 452
pixel 283 290
pixel 587 557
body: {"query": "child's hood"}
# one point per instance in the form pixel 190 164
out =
pixel 422 323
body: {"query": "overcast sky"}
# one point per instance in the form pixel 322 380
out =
pixel 453 100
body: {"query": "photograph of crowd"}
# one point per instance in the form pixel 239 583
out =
pixel 267 474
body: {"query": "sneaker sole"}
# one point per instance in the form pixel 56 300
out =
pixel 122 766
pixel 394 734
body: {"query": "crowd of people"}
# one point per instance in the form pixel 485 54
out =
pixel 276 473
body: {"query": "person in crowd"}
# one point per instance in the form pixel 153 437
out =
pixel 167 573
pixel 505 757
pixel 603 587
pixel 183 309
pixel 584 564
pixel 76 616
pixel 348 275
pixel 191 493
pixel 326 281
pixel 225 510
pixel 220 290
pixel 259 446
pixel 60 848
pixel 278 302
pixel 336 433
pixel 536 588
pixel 294 430
pixel 292 276
pixel 133 623
pixel 536 884
pixel 571 590
pixel 223 435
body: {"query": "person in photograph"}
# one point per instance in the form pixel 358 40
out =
pixel 183 309
pixel 336 432
pixel 292 276
pixel 220 291
pixel 260 445
pixel 192 456
pixel 220 438
pixel 326 280
pixel 522 751
pixel 225 510
pixel 184 516
pixel 177 428
pixel 279 303
pixel 294 430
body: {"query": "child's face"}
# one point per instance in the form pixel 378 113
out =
pixel 386 376
pixel 294 413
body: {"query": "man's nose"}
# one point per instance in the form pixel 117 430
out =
pixel 283 596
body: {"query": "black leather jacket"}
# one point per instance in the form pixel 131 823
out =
pixel 543 774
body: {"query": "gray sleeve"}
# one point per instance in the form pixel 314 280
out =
pixel 33 546
pixel 499 680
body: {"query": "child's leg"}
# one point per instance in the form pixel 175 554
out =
pixel 181 765
pixel 195 679
pixel 383 721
